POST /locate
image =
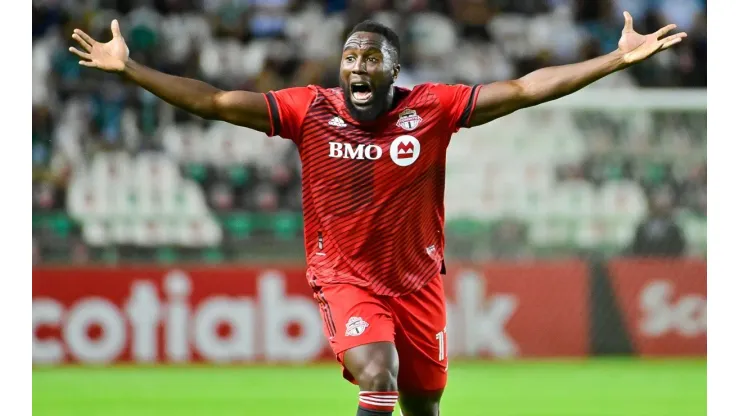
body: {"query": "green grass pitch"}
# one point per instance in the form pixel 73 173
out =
pixel 594 387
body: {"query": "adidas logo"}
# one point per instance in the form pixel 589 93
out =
pixel 337 122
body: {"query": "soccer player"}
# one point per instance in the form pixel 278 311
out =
pixel 373 158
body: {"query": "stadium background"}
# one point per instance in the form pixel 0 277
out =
pixel 167 249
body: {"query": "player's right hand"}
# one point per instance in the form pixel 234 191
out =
pixel 111 56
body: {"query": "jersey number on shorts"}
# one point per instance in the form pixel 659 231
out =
pixel 442 344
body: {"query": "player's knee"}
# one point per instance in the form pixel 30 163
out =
pixel 378 377
pixel 373 366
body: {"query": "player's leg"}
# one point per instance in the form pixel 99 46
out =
pixel 360 329
pixel 420 404
pixel 421 342
pixel 374 367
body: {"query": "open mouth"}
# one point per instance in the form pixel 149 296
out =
pixel 361 92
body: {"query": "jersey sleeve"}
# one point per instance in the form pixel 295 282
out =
pixel 457 102
pixel 287 109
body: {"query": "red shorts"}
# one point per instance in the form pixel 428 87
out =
pixel 415 323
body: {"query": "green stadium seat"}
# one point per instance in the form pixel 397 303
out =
pixel 238 175
pixel 655 173
pixel 197 172
pixel 166 255
pixel 238 225
pixel 613 171
pixel 465 227
pixel 213 256
pixel 61 225
pixel 262 223
pixel 38 221
pixel 110 256
pixel 286 226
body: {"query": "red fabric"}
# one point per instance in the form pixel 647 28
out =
pixel 415 323
pixel 292 105
pixel 455 99
pixel 373 193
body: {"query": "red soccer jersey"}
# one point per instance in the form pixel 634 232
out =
pixel 373 193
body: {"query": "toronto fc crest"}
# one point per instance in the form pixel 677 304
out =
pixel 408 120
pixel 355 326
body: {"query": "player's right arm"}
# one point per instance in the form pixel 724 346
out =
pixel 244 108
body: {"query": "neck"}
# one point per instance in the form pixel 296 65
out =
pixel 389 100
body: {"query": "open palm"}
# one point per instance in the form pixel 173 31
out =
pixel 637 47
pixel 111 56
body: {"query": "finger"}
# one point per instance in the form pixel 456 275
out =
pixel 673 40
pixel 79 53
pixel 664 31
pixel 88 64
pixel 86 46
pixel 674 37
pixel 85 37
pixel 115 28
pixel 627 22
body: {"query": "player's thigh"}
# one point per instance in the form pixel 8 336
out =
pixel 355 317
pixel 421 340
pixel 374 367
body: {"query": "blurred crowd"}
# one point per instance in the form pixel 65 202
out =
pixel 263 45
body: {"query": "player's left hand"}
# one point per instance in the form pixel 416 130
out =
pixel 636 47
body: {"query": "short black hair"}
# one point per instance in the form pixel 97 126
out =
pixel 382 30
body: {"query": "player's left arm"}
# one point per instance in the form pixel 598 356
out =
pixel 501 98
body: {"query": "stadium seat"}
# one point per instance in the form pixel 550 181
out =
pixel 253 58
pixel 510 30
pixel 466 227
pixel 238 225
pixel 573 199
pixel 239 175
pixel 110 169
pixel 213 255
pixel 432 34
pixel 695 230
pixel 214 138
pixel 287 226
pixel 151 232
pixel 221 196
pixel 201 231
pixel 96 233
pixel 197 172
pixel 122 231
pixel 83 199
pixel 621 199
pixel 166 255
pixel 591 233
pixel 155 171
pixel 526 204
pixel 212 61
pixel 551 233
pixel 192 143
pixel 61 225
pixel 622 231
pixel 189 200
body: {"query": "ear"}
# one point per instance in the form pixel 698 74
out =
pixel 396 71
